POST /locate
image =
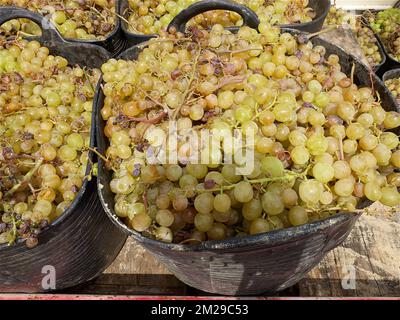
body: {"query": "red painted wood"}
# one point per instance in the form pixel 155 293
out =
pixel 111 297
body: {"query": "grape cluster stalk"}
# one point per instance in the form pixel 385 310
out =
pixel 45 121
pixel 75 19
pixel 153 16
pixel 322 143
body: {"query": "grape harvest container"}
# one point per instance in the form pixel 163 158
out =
pixel 114 42
pixel 390 62
pixel 321 8
pixel 82 242
pixel 392 74
pixel 248 265
pixel 378 43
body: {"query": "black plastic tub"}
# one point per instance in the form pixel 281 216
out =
pixel 378 44
pixel 114 42
pixel 392 74
pixel 266 262
pixel 390 62
pixel 321 7
pixel 82 242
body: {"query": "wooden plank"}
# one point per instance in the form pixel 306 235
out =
pixel 373 250
pixel 134 259
pixel 134 272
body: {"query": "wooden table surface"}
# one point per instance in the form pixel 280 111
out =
pixel 371 253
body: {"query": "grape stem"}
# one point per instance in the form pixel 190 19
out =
pixel 14 229
pixel 191 79
pixel 188 240
pixel 158 103
pixel 152 41
pixel 237 51
pixel 98 12
pixel 26 178
pixel 88 79
pixel 266 108
pixel 145 200
pixel 230 80
pixel 154 120
pixel 288 176
pixel 312 35
pixel 353 69
pixel 341 154
pixel 32 190
pixel 102 157
pixel 117 15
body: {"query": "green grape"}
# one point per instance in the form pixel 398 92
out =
pixel 165 218
pixel 272 166
pixel 272 203
pixel 317 144
pixel 389 139
pixel 173 172
pixel 382 154
pixel 180 202
pixel 198 171
pixel 203 222
pixel 259 225
pixel 298 216
pixel 341 169
pixel 372 191
pixel 289 197
pixel 300 155
pixel 390 196
pixel 323 172
pixel 310 191
pixel 141 222
pixel 344 187
pixel 218 231
pixel 252 210
pixel 243 191
pixel 222 202
pixel 204 203
pixel 164 234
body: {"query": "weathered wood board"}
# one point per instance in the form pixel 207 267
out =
pixel 371 254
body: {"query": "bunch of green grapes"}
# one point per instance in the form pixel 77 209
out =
pixel 24 27
pixel 386 23
pixel 395 46
pixel 368 43
pixel 46 110
pixel 364 35
pixel 75 19
pixel 394 87
pixel 152 17
pixel 338 16
pixel 320 142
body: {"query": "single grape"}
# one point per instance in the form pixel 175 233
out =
pixel 297 216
